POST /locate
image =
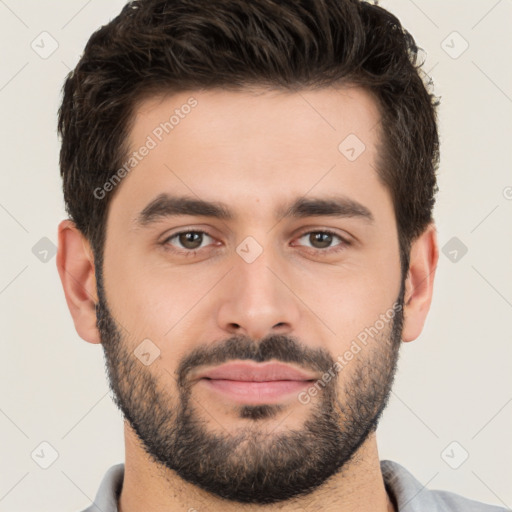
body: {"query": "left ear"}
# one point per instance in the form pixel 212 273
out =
pixel 419 283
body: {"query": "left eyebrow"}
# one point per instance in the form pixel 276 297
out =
pixel 339 206
pixel 165 205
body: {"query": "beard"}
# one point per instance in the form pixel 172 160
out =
pixel 254 464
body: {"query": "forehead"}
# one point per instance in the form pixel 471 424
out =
pixel 216 115
pixel 253 146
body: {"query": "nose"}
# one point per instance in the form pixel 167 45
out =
pixel 257 299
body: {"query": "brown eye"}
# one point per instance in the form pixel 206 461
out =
pixel 322 240
pixel 188 240
pixel 191 240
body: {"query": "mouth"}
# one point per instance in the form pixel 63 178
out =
pixel 255 383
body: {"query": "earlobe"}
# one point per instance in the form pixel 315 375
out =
pixel 75 264
pixel 419 283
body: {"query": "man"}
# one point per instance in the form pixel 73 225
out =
pixel 250 189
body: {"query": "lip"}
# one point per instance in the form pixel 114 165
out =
pixel 255 383
pixel 256 372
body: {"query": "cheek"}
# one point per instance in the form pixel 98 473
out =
pixel 354 300
pixel 153 300
pixel 355 308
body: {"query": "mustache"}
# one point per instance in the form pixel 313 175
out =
pixel 286 349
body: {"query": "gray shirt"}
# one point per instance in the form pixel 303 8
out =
pixel 409 494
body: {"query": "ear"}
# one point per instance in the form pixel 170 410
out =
pixel 419 283
pixel 75 263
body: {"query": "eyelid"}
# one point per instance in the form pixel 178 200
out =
pixel 330 231
pixel 196 228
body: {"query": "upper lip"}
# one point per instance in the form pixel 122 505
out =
pixel 255 372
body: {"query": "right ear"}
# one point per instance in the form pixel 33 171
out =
pixel 75 263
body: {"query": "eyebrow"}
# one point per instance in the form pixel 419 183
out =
pixel 165 205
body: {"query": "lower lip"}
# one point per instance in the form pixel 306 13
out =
pixel 256 393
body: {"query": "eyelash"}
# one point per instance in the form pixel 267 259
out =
pixel 344 243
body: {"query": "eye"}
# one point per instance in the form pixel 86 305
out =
pixel 321 240
pixel 188 240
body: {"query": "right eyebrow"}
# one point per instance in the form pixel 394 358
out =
pixel 165 205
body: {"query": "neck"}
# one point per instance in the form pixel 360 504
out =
pixel 148 486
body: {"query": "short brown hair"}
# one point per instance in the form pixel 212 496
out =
pixel 156 46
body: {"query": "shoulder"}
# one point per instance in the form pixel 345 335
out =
pixel 412 496
pixel 109 490
pixel 452 501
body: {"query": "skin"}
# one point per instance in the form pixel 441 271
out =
pixel 255 153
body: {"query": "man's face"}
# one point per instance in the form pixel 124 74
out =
pixel 253 352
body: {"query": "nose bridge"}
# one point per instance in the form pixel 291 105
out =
pixel 257 301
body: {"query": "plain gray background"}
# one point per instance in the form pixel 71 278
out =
pixel 453 394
